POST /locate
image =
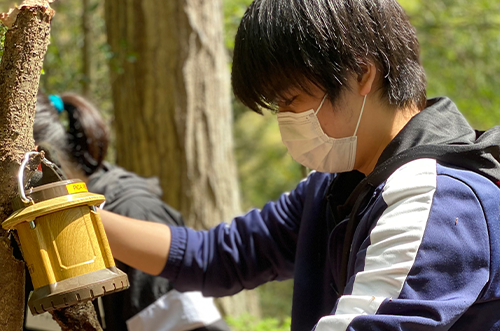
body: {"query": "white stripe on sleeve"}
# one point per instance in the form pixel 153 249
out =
pixel 394 240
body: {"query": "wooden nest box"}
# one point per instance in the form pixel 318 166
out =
pixel 64 245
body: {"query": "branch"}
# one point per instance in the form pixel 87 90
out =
pixel 80 317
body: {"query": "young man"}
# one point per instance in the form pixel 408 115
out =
pixel 396 229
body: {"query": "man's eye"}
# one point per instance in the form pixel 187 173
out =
pixel 286 102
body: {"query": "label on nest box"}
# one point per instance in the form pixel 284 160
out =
pixel 76 188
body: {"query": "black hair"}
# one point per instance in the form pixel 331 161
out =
pixel 84 142
pixel 283 44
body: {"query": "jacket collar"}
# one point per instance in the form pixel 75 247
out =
pixel 440 123
pixel 440 131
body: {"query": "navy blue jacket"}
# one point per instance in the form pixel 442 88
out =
pixel 415 245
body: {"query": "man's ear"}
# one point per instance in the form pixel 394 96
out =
pixel 366 80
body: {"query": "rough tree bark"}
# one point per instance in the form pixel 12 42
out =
pixel 25 46
pixel 171 93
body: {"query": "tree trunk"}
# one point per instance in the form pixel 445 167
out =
pixel 25 46
pixel 173 117
pixel 86 49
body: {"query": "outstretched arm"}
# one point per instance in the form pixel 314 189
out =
pixel 140 244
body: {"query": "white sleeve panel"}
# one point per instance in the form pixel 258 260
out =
pixel 394 240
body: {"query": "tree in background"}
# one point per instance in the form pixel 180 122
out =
pixel 86 47
pixel 171 94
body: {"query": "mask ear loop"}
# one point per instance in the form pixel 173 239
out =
pixel 321 104
pixel 360 114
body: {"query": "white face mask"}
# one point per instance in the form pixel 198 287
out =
pixel 310 146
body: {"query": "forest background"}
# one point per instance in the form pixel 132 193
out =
pixel 460 44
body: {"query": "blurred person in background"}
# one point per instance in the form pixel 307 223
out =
pixel 79 147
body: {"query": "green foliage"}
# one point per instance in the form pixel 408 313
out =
pixel 233 11
pixel 276 299
pixel 460 45
pixel 3 30
pixel 273 171
pixel 250 323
